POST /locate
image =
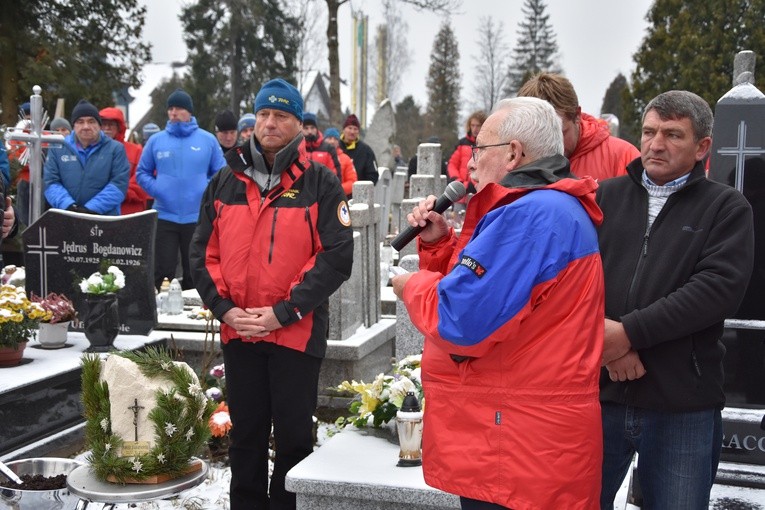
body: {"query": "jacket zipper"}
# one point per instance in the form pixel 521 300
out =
pixel 273 235
pixel 310 229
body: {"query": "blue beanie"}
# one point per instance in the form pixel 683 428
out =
pixel 280 95
pixel 26 108
pixel 149 129
pixel 246 121
pixel 180 99
pixel 332 133
pixel 85 109
pixel 309 119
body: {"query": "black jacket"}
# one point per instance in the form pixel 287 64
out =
pixel 363 159
pixel 673 286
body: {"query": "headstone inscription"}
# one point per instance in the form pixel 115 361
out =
pixel 63 247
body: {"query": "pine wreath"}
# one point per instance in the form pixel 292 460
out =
pixel 180 420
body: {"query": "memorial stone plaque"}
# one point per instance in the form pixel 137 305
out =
pixel 63 247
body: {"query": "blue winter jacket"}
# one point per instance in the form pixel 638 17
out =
pixel 95 178
pixel 175 167
pixel 5 166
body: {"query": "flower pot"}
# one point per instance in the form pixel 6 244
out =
pixel 10 357
pixel 102 321
pixel 52 336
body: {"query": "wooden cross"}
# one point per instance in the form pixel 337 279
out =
pixel 34 140
pixel 135 408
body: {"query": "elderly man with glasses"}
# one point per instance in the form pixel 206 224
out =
pixel 512 315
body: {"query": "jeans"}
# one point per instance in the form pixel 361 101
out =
pixel 678 455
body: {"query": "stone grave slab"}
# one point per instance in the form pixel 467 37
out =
pixel 63 247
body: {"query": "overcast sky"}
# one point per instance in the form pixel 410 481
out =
pixel 597 39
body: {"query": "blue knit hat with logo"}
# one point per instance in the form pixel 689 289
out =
pixel 280 95
pixel 149 129
pixel 180 99
pixel 246 121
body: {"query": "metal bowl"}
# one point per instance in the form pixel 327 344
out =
pixel 59 499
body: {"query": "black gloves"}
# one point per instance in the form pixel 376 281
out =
pixel 80 209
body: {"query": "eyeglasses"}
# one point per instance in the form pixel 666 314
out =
pixel 475 149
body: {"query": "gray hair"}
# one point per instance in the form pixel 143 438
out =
pixel 534 123
pixel 681 104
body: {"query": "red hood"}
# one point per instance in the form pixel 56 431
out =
pixel 115 114
pixel 315 145
pixel 592 132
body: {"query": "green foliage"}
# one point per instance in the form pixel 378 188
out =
pixel 410 126
pixel 180 419
pixel 443 86
pixel 72 49
pixel 235 47
pixel 691 45
pixel 536 49
pixel 613 102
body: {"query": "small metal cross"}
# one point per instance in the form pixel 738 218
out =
pixel 135 407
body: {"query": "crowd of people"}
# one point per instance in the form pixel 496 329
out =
pixel 603 274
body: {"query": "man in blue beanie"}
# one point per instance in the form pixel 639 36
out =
pixel 89 173
pixel 246 126
pixel 273 243
pixel 148 130
pixel 175 167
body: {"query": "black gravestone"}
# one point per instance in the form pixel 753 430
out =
pixel 63 247
pixel 738 159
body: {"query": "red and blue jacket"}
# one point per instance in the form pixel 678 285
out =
pixel 512 314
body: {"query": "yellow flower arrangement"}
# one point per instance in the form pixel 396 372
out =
pixel 19 316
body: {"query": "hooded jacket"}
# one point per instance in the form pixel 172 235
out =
pixel 175 167
pixel 673 286
pixel 334 159
pixel 289 247
pixel 512 314
pixel 458 163
pixel 95 178
pixel 136 197
pixel 597 153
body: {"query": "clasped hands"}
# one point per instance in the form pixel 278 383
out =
pixel 252 322
pixel 620 359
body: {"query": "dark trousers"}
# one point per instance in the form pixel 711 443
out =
pixel 474 504
pixel 266 382
pixel 170 238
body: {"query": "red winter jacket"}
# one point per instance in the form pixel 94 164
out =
pixel 136 197
pixel 458 162
pixel 512 314
pixel 598 154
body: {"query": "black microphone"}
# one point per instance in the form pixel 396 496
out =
pixel 453 192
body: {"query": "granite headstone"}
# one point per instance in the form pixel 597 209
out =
pixel 63 247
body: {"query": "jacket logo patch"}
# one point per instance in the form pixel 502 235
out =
pixel 473 265
pixel 291 193
pixel 196 148
pixel 344 214
pixel 692 230
pixel 163 154
pixel 66 158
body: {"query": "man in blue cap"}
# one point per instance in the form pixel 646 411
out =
pixel 175 167
pixel 273 243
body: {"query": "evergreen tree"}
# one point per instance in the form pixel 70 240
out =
pixel 536 49
pixel 613 102
pixel 72 49
pixel 410 126
pixel 690 45
pixel 234 49
pixel 443 86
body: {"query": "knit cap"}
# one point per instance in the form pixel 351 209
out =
pixel 280 95
pixel 225 121
pixel 309 119
pixel 149 129
pixel 85 109
pixel 246 121
pixel 26 108
pixel 352 120
pixel 332 133
pixel 180 99
pixel 59 123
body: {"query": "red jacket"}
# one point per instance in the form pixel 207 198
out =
pixel 512 314
pixel 334 159
pixel 598 154
pixel 458 162
pixel 136 197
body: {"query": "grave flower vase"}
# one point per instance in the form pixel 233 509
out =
pixel 52 336
pixel 102 321
pixel 10 356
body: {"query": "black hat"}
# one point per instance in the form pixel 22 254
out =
pixel 85 109
pixel 180 99
pixel 225 121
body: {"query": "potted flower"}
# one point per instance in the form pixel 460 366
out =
pixel 101 319
pixel 53 330
pixel 19 318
